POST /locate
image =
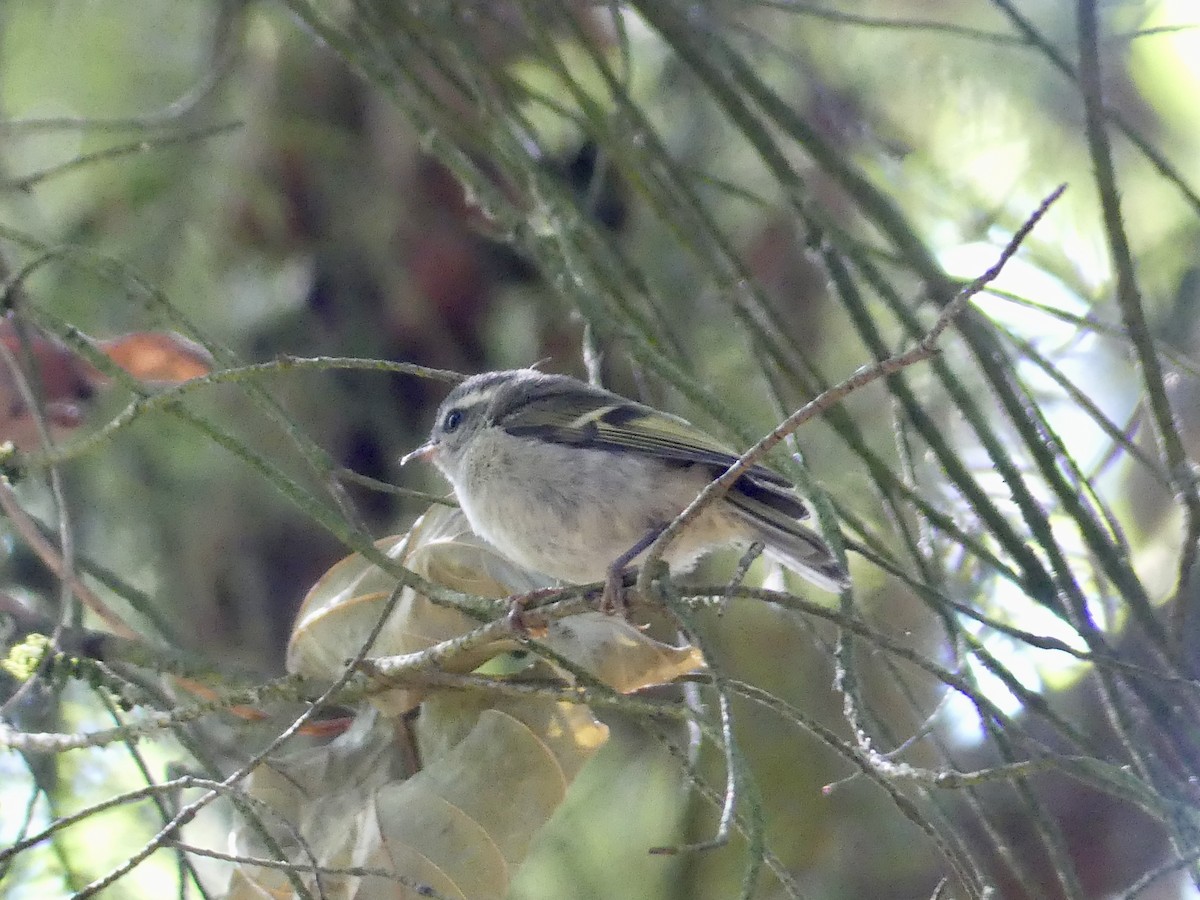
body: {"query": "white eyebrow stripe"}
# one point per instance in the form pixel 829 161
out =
pixel 476 397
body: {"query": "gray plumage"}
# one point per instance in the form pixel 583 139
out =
pixel 563 478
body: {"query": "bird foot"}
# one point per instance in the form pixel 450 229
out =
pixel 516 619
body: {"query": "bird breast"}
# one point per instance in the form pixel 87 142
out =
pixel 570 511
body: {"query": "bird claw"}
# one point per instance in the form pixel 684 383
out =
pixel 516 620
pixel 614 601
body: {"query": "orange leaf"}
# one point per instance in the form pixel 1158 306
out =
pixel 162 356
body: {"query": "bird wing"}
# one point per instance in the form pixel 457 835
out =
pixel 604 421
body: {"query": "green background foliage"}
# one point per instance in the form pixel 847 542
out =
pixel 720 209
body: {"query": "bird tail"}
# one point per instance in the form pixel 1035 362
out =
pixel 792 544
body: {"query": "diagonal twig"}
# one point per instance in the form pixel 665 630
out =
pixel 924 349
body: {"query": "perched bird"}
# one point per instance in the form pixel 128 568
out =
pixel 575 482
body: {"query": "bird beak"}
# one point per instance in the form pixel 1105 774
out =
pixel 425 452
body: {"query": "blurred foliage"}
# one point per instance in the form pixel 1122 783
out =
pixel 719 208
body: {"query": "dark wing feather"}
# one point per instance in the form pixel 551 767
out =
pixel 756 496
pixel 604 421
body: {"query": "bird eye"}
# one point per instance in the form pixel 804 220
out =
pixel 453 420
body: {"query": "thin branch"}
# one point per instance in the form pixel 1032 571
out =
pixel 69 610
pixel 189 812
pixel 56 561
pixel 924 349
pixel 1056 58
pixel 165 400
pixel 1129 299
pixel 422 889
pixel 30 181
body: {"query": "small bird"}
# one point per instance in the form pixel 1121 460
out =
pixel 575 482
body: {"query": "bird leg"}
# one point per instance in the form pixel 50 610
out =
pixel 612 601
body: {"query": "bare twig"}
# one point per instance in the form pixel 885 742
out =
pixel 55 560
pixel 189 812
pixel 65 568
pixel 28 182
pixel 1133 313
pixel 737 778
pixel 166 399
pixel 924 349
pixel 424 890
